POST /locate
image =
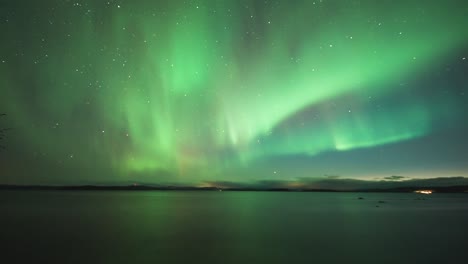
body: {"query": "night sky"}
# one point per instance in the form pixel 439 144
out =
pixel 189 92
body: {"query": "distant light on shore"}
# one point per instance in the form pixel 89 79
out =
pixel 424 191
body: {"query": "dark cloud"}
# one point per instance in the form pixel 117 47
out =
pixel 394 178
pixel 328 176
pixel 345 184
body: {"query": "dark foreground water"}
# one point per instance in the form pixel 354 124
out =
pixel 231 227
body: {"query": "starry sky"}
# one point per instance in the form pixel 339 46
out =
pixel 188 92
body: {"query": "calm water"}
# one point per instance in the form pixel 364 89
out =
pixel 232 227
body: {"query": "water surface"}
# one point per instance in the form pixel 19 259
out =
pixel 232 227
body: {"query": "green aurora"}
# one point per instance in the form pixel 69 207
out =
pixel 190 91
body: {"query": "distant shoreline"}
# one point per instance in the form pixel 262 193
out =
pixel 445 189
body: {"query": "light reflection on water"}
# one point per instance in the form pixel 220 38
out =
pixel 233 227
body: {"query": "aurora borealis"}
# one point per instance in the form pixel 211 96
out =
pixel 195 91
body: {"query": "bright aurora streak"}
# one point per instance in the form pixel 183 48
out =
pixel 194 91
